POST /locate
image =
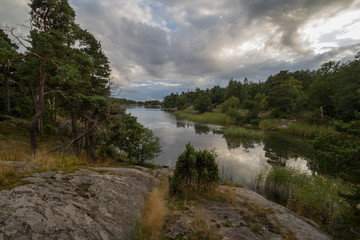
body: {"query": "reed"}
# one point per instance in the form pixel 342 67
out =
pixel 208 117
pixel 307 130
pixel 312 196
pixel 234 131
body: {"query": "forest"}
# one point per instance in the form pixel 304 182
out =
pixel 329 93
pixel 60 72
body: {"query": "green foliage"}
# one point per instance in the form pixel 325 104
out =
pixel 232 102
pixel 208 117
pixel 202 103
pixel 256 227
pixel 141 232
pixel 307 130
pixel 267 124
pixel 337 155
pixel 196 171
pixel 236 89
pixel 285 93
pixel 124 133
pixel 243 132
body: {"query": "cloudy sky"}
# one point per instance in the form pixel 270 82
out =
pixel 164 46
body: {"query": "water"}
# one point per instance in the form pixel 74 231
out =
pixel 240 160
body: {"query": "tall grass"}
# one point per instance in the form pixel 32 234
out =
pixel 208 117
pixel 312 196
pixel 298 129
pixel 307 130
pixel 153 215
pixel 234 131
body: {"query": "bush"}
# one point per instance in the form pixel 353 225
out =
pixel 232 102
pixel 196 171
pixel 336 155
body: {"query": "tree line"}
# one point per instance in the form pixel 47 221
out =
pixel 331 92
pixel 64 71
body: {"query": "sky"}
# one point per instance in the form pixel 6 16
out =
pixel 164 46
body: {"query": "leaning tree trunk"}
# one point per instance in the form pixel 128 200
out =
pixel 6 87
pixel 39 111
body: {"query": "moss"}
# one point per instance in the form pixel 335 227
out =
pixel 227 224
pixel 256 227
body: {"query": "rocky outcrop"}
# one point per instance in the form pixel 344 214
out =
pixel 88 204
pixel 105 203
pixel 243 215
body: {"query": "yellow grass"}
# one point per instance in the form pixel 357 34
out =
pixel 155 212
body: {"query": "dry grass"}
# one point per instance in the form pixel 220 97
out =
pixel 11 150
pixel 202 228
pixel 155 211
pixel 5 173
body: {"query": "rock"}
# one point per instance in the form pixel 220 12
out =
pixel 103 203
pixel 249 216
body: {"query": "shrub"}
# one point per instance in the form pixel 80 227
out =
pixel 195 171
pixel 336 155
pixel 232 102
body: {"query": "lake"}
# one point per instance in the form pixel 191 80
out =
pixel 240 160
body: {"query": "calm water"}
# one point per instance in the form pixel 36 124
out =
pixel 240 160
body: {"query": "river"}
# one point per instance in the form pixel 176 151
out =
pixel 240 160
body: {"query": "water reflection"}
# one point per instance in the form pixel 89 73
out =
pixel 240 159
pixel 201 129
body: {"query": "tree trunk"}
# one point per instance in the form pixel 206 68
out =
pixel 41 127
pixel 322 112
pixel 91 145
pixel 74 131
pixel 40 108
pixel 6 87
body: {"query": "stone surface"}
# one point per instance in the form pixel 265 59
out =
pixel 104 203
pixel 101 204
pixel 247 216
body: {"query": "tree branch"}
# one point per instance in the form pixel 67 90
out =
pixel 70 142
pixel 58 91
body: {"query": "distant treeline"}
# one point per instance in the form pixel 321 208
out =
pixel 333 91
pixel 124 101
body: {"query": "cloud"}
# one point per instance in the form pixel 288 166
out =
pixel 158 46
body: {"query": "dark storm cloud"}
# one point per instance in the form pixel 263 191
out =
pixel 189 43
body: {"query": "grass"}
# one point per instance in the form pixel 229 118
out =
pixel 298 129
pixel 267 124
pixel 256 227
pixel 208 117
pixel 234 131
pixel 154 213
pixel 312 196
pixel 307 130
